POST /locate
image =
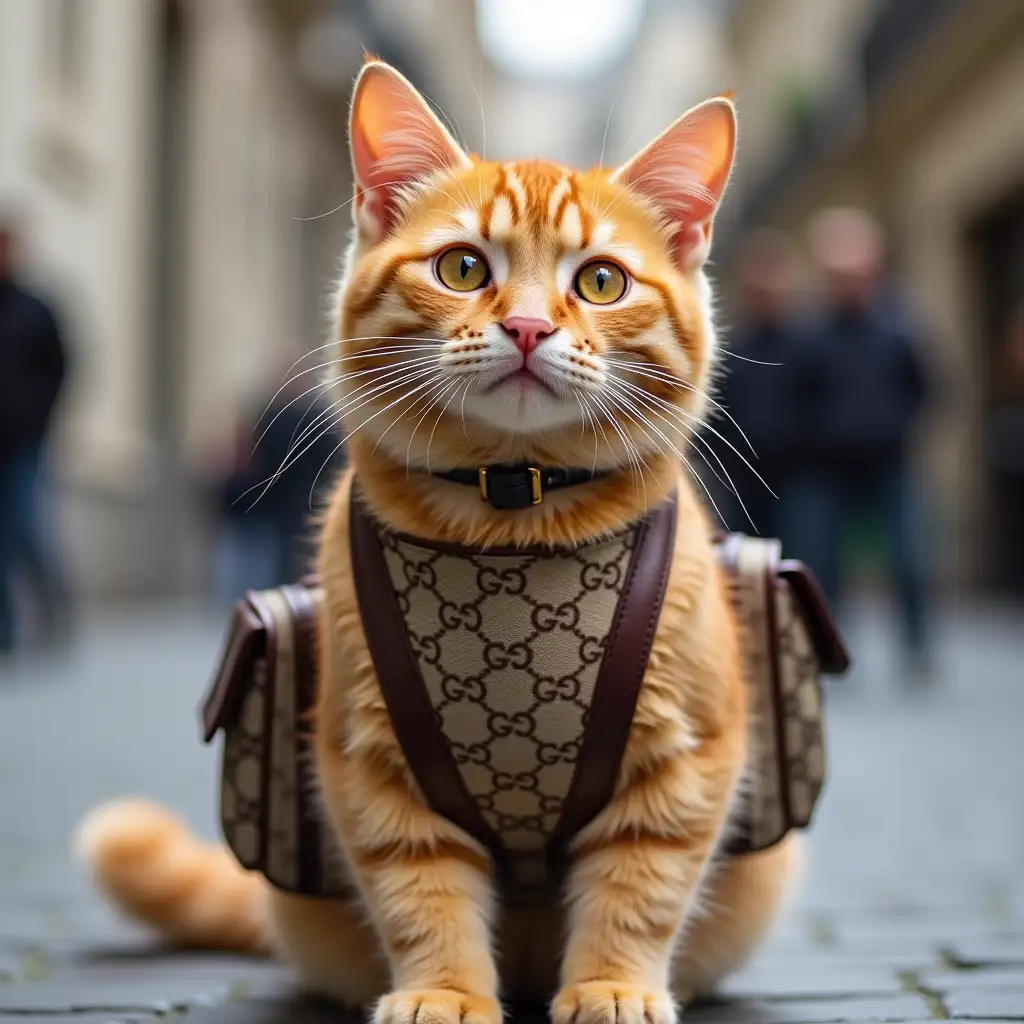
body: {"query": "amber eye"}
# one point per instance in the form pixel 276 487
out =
pixel 463 270
pixel 601 282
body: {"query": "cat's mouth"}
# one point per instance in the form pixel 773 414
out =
pixel 524 381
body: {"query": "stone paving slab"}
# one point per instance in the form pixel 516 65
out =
pixel 141 979
pixel 79 1018
pixel 980 1004
pixel 912 907
pixel 813 1011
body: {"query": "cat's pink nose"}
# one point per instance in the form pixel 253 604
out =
pixel 527 332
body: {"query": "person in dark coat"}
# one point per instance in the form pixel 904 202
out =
pixel 301 450
pixel 759 379
pixel 864 385
pixel 1004 450
pixel 32 371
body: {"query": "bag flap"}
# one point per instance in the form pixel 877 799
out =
pixel 738 553
pixel 824 633
pixel 246 641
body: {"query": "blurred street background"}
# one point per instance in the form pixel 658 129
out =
pixel 173 175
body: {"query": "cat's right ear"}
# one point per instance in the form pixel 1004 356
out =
pixel 396 141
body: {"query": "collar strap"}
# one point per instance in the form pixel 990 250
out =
pixel 518 487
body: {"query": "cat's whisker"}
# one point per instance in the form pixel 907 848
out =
pixel 652 401
pixel 412 436
pixel 326 385
pixel 341 342
pixel 704 487
pixel 638 416
pixel 292 456
pixel 596 424
pixel 747 359
pixel 382 350
pixel 627 405
pixel 469 384
pixel 670 378
pixel 443 382
pixel 697 441
pixel 583 418
pixel 707 426
pixel 684 460
pixel 341 444
pixel 430 440
pixel 593 425
pixel 380 376
pixel 632 451
pixel 369 188
pixel 600 159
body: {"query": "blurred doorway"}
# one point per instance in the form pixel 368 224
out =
pixel 998 241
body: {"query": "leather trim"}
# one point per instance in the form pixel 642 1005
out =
pixel 828 641
pixel 450 548
pixel 620 677
pixel 303 610
pixel 412 715
pixel 270 627
pixel 245 642
pixel 771 584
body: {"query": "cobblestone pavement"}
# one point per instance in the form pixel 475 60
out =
pixel 912 908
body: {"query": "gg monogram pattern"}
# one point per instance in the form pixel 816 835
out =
pixel 786 761
pixel 242 812
pixel 801 709
pixel 509 647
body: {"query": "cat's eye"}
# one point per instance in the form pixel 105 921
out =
pixel 601 282
pixel 462 270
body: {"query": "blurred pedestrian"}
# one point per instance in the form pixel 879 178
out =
pixel 32 371
pixel 1005 450
pixel 864 385
pixel 759 389
pixel 247 556
pixel 300 449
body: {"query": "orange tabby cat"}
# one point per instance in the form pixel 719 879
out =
pixel 494 314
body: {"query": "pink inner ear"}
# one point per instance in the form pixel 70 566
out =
pixel 685 170
pixel 396 140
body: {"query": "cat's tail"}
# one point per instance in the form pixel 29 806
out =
pixel 154 870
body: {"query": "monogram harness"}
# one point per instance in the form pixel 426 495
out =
pixel 511 677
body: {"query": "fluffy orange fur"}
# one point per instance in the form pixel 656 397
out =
pixel 429 379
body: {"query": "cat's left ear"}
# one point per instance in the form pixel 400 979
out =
pixel 684 172
pixel 396 141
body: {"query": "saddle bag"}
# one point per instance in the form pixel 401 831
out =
pixel 264 691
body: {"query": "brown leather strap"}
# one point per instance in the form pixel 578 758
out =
pixel 309 827
pixel 621 674
pixel 412 715
pixel 246 638
pixel 828 641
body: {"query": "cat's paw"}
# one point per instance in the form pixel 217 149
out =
pixel 612 1002
pixel 436 1006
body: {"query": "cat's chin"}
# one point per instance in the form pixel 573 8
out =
pixel 522 404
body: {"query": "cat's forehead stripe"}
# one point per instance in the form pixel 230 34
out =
pixel 503 218
pixel 506 221
pixel 515 186
pixel 571 228
pixel 558 193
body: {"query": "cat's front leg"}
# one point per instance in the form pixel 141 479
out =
pixel 429 892
pixel 635 872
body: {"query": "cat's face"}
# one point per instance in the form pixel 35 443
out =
pixel 492 312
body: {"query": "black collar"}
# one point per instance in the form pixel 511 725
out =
pixel 518 487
